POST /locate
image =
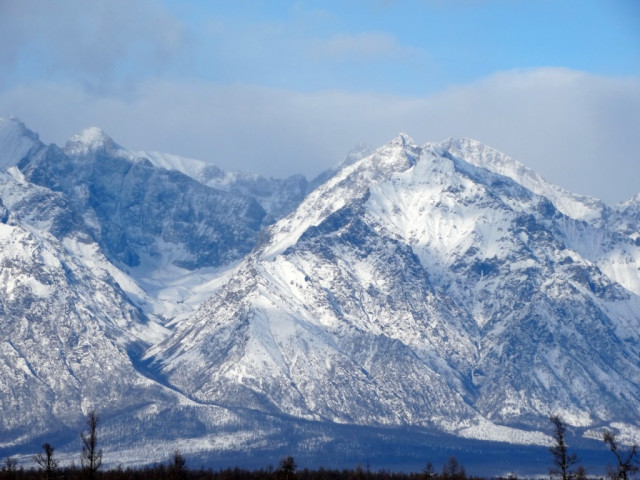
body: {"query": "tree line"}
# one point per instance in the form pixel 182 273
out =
pixel 565 465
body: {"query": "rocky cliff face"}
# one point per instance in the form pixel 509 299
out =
pixel 68 329
pixel 141 214
pixel 277 196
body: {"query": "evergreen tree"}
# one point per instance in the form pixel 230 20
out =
pixel 46 461
pixel 177 469
pixel 287 468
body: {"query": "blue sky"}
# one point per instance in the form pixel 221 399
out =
pixel 408 48
pixel 280 87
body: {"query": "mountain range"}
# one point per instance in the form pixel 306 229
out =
pixel 438 294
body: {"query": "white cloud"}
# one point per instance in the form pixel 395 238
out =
pixel 577 130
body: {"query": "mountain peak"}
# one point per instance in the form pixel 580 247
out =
pixel 14 123
pixel 635 200
pixel 404 140
pixel 16 140
pixel 91 139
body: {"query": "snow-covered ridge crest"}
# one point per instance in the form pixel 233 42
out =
pixel 278 196
pixel 580 207
pixel 353 181
pixel 632 202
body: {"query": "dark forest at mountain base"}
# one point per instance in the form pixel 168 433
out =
pixel 179 468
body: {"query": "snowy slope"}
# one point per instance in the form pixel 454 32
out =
pixel 277 196
pixel 620 263
pixel 71 339
pixel 579 207
pixel 626 218
pixel 516 264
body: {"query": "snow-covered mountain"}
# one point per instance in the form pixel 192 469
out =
pixel 579 207
pixel 68 329
pixel 277 196
pixel 414 288
pixel 141 214
pixel 440 290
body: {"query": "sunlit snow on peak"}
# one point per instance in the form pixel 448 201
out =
pixel 90 139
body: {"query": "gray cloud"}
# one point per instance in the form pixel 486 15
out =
pixel 98 43
pixel 577 130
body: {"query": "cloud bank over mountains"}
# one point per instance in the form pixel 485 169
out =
pixel 574 128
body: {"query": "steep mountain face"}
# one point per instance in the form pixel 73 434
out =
pixel 626 218
pixel 16 141
pixel 71 328
pixel 553 336
pixel 270 350
pixel 140 214
pixel 277 196
pixel 453 295
pixel 71 337
pixel 67 328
